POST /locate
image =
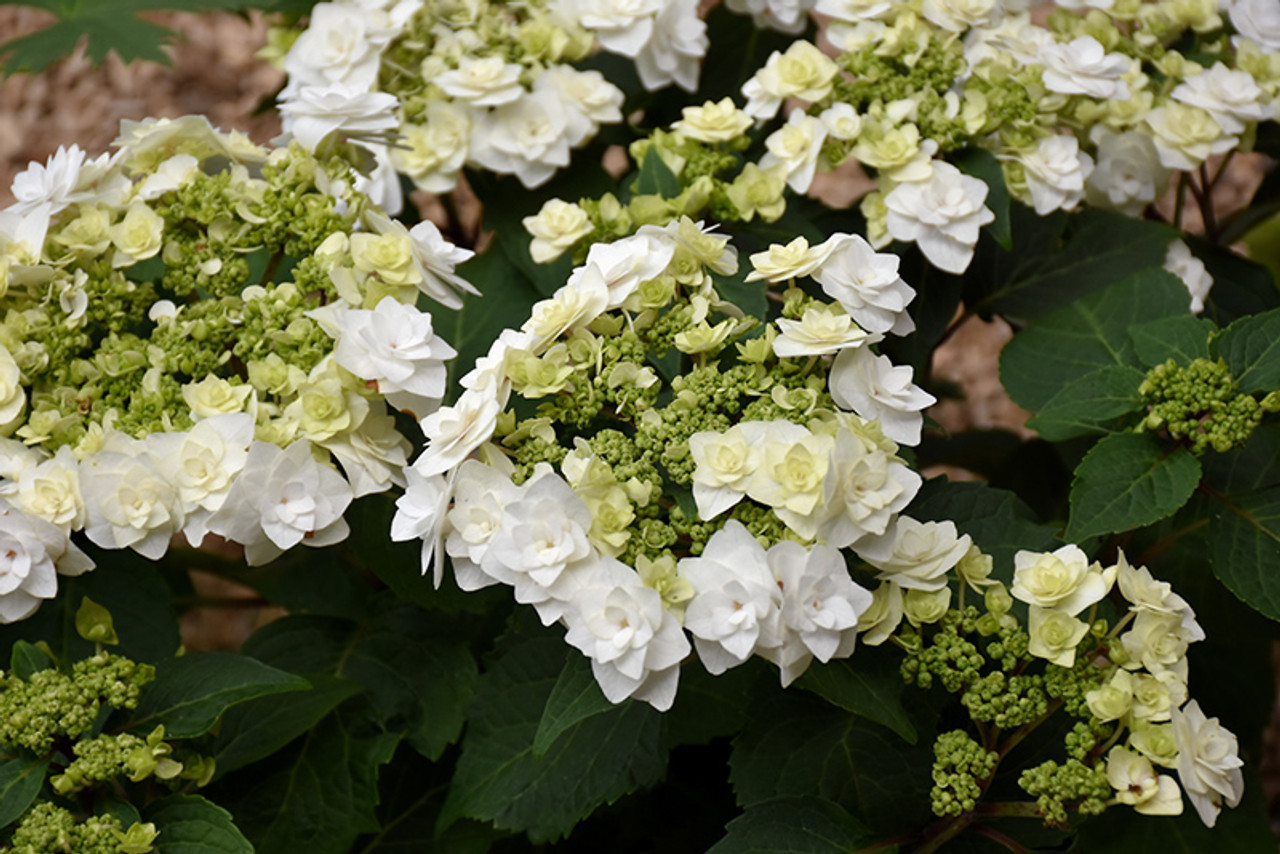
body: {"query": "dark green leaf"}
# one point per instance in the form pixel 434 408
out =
pixel 709 707
pixel 418 670
pixel 796 745
pixel 575 697
pixel 1254 466
pixel 108 25
pixel 1099 249
pixel 20 782
pixel 258 728
pixel 191 692
pixel 981 163
pixel 795 826
pixel 869 684
pixel 1129 480
pixel 499 778
pixel 319 794
pixel 1251 349
pixel 189 824
pixel 1183 338
pixel 26 659
pixel 1244 546
pixel 656 178
pixel 1084 406
pixel 1088 334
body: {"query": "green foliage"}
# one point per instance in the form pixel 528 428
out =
pixel 1251 349
pixel 106 25
pixel 805 825
pixel 1085 405
pixel 1127 481
pixel 502 779
pixel 191 692
pixel 871 688
pixel 20 782
pixel 190 824
pixel 1088 334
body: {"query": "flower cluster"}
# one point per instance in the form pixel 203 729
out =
pixel 1096 106
pixel 686 463
pixel 486 84
pixel 1127 689
pixel 195 334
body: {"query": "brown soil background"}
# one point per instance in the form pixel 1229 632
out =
pixel 215 73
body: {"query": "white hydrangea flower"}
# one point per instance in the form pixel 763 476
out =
pixel 1138 785
pixel 621 26
pixel 1186 136
pixel 453 432
pixel 1055 172
pixel 792 468
pixel 372 455
pixel 803 72
pixel 884 615
pixel 1179 261
pixel 1062 580
pixel 1233 98
pixel 13 398
pixel 956 16
pixel 58 183
pixel 864 490
pixel 796 145
pixel 854 11
pixel 787 16
pixel 1256 20
pixel 1083 67
pixel 1208 762
pixel 1145 593
pixel 625 264
pixel 434 258
pixel 50 489
pixel 674 51
pixel 819 331
pixel 480 494
pixel 634 643
pixel 203 464
pixel 542 546
pixel 433 153
pixel 1054 635
pixel 420 515
pixel 875 388
pixel 712 122
pixel 574 305
pixel 315 112
pixel 1128 175
pixel 32 553
pixel 130 502
pixel 485 81
pixel 342 43
pixel 282 498
pixel 737 606
pixel 724 464
pixel 941 215
pixel 527 137
pixel 820 607
pixel 589 100
pixel 557 226
pixel 395 345
pixel 1157 642
pixel 779 263
pixel 866 283
pixel 915 555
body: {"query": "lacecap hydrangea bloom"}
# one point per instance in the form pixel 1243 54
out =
pixel 1097 105
pixel 201 335
pixel 488 85
pixel 678 469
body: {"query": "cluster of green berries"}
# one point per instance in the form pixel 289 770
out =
pixel 960 766
pixel 1201 404
pixel 1072 785
pixel 49 829
pixel 52 705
